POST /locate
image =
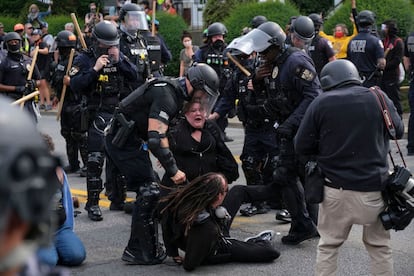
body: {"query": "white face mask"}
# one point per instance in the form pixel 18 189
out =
pixel 187 43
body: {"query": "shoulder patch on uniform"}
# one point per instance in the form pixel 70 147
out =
pixel 306 74
pixel 73 71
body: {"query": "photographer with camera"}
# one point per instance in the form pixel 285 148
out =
pixel 352 156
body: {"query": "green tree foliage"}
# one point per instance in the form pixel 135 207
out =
pixel 242 15
pixel 171 28
pixel 310 6
pixel 217 10
pixel 400 10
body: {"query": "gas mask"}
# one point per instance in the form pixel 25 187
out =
pixel 13 48
pixel 218 44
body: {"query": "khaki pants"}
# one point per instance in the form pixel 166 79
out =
pixel 341 209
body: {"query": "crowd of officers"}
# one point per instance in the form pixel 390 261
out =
pixel 114 109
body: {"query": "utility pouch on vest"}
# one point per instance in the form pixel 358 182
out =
pixel 124 130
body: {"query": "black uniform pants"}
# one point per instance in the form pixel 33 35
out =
pixel 76 140
pixel 133 161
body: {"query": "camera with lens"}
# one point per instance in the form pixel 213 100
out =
pixel 399 199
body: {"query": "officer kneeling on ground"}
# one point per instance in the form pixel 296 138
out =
pixel 141 123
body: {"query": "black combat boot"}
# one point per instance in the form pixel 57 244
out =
pixel 92 206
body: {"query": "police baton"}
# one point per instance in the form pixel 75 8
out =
pixel 154 7
pixel 235 61
pixel 78 30
pixel 62 96
pixel 23 99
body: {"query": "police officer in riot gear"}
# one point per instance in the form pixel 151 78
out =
pixel 27 187
pixel 260 148
pixel 75 137
pixel 212 54
pixel 302 32
pixel 140 124
pixel 132 45
pixel 14 69
pixel 153 44
pixel 101 75
pixel 290 79
pixel 320 49
pixel 366 51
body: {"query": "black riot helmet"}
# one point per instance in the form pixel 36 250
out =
pixel 129 7
pixel 106 33
pixel 12 36
pixel 303 28
pixel 28 177
pixel 317 20
pixel 258 20
pixel 202 77
pixel 216 28
pixel 276 33
pixel 365 18
pixel 338 73
pixel 65 39
pixel 133 18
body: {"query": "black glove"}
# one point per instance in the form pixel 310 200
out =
pixel 285 131
pixel 30 86
pixel 20 89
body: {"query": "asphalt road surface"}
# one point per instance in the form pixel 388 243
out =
pixel 106 240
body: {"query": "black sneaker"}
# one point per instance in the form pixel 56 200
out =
pixel 296 238
pixel 137 258
pixel 283 215
pixel 248 211
pixel 266 235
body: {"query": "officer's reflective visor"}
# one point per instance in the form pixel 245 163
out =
pixel 136 20
pixel 255 40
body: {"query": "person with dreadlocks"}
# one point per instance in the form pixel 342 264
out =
pixel 193 221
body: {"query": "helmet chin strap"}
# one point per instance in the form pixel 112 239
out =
pixel 18 256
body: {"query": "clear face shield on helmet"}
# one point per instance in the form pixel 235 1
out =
pixel 254 41
pixel 206 95
pixel 135 20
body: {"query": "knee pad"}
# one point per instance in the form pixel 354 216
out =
pixel 148 195
pixel 95 163
pixel 251 169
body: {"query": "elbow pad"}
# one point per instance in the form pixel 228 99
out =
pixel 164 155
